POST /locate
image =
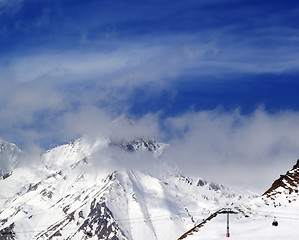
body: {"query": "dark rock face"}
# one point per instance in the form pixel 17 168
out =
pixel 6 175
pixel 289 182
pixel 102 223
pixel 7 233
pixel 131 146
pixel 99 224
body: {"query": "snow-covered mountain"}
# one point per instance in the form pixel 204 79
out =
pixel 73 194
pixel 9 155
pixel 124 119
pixel 120 187
pixel 285 189
pixel 254 219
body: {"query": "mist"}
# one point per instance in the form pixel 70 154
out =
pixel 231 148
pixel 235 149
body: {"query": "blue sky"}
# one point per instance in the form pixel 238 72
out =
pixel 66 64
pixel 206 53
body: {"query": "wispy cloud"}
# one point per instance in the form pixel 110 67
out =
pixel 38 88
pixel 69 69
pixel 167 57
pixel 229 147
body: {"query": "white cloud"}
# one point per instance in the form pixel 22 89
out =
pixel 129 63
pixel 46 97
pixel 67 89
pixel 238 150
pixel 226 147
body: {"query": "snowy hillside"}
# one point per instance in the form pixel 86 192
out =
pixel 72 195
pixel 286 185
pixel 254 219
pixel 9 155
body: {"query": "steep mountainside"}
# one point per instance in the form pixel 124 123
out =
pixel 286 185
pixel 9 155
pixel 73 196
pixel 280 203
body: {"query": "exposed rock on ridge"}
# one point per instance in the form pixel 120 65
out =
pixel 289 181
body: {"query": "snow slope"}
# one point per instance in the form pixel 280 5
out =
pixel 9 155
pixel 254 219
pixel 72 195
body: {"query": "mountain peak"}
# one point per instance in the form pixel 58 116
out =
pixel 9 157
pixel 296 166
pixel 125 118
pixel 287 183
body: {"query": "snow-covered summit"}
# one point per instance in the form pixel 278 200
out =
pixel 9 157
pixel 85 147
pixel 74 197
pixel 285 189
pixel 147 144
pixel 70 153
pixel 288 181
pixel 92 188
pixel 76 203
pixel 124 119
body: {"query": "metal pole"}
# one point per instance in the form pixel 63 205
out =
pixel 227 211
pixel 227 229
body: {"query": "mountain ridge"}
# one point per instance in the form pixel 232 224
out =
pixel 9 157
pixel 83 200
pixel 288 181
